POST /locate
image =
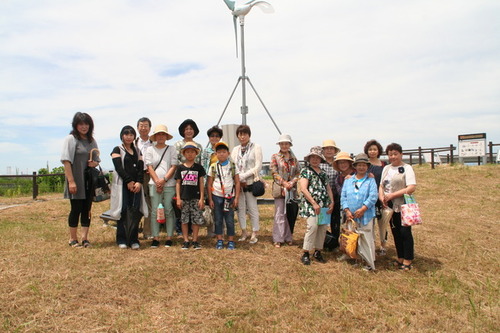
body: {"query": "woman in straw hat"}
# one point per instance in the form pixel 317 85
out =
pixel 161 160
pixel 285 169
pixel 359 195
pixel 317 194
pixel 330 150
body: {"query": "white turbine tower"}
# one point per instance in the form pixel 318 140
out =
pixel 240 9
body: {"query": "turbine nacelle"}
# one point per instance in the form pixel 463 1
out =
pixel 240 9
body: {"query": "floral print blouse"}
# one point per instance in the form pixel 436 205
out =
pixel 285 169
pixel 317 188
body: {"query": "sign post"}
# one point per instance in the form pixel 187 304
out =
pixel 472 145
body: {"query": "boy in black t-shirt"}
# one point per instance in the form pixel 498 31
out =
pixel 190 193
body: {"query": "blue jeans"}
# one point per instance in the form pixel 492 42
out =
pixel 221 216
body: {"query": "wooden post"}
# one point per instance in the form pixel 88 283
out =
pixel 451 154
pixel 35 186
pixel 432 158
pixel 490 145
pixel 419 155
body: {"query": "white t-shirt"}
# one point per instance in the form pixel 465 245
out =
pixel 392 171
pixel 152 158
pixel 226 173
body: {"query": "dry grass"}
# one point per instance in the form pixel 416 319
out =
pixel 454 286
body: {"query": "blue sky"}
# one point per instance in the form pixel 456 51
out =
pixel 419 73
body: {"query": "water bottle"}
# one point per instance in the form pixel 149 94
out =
pixel 160 214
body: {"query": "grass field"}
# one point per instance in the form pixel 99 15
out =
pixel 454 286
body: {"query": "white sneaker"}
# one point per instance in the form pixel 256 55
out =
pixel 135 246
pixel 122 246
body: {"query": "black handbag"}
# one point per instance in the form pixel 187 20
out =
pixel 97 183
pixel 258 188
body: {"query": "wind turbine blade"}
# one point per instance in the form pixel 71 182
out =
pixel 264 6
pixel 235 35
pixel 229 4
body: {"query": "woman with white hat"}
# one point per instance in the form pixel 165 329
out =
pixel 161 160
pixel 317 194
pixel 285 169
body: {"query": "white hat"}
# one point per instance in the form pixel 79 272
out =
pixel 285 138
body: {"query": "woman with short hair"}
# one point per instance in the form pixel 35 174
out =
pixel 248 160
pixel 398 179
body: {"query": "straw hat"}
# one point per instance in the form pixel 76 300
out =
pixel 361 158
pixel 331 143
pixel 285 138
pixel 317 151
pixel 160 129
pixel 190 145
pixel 341 156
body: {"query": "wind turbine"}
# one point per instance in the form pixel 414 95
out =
pixel 240 9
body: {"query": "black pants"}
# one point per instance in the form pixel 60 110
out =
pixel 80 210
pixel 335 222
pixel 129 199
pixel 403 238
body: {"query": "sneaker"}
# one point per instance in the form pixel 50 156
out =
pixel 305 258
pixel 168 243
pixel 122 246
pixel 230 245
pixel 135 246
pixel 196 246
pixel 368 268
pixel 382 251
pixel 185 246
pixel 317 255
pixel 155 244
pixel 219 245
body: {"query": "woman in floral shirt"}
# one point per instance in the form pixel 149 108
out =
pixel 317 194
pixel 285 170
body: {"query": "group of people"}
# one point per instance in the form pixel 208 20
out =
pixel 156 178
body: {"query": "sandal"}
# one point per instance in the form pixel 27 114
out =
pixel 74 243
pixel 86 243
pixel 405 267
pixel 277 245
pixel 397 263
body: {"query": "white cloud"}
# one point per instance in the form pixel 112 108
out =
pixel 418 73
